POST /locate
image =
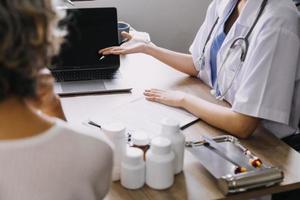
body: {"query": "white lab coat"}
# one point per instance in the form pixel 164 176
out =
pixel 268 85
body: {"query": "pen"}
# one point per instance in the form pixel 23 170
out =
pixel 94 124
pixel 189 124
pixel 101 58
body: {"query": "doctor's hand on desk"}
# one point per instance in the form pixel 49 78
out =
pixel 218 116
pixel 46 100
pixel 170 98
pixel 133 45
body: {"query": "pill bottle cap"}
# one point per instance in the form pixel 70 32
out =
pixel 133 156
pixel 160 145
pixel 114 129
pixel 140 138
pixel 169 126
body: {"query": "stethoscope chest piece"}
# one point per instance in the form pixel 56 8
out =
pixel 213 92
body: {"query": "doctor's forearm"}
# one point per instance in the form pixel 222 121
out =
pixel 220 117
pixel 179 61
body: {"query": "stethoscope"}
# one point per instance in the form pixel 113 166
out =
pixel 241 43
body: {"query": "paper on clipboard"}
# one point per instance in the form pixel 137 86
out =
pixel 140 114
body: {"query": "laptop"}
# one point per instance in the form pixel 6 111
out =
pixel 79 69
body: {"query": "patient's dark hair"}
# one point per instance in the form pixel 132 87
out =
pixel 28 40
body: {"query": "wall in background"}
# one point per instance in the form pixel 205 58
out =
pixel 171 23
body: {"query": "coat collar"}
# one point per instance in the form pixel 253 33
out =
pixel 248 14
pixel 242 25
pixel 224 7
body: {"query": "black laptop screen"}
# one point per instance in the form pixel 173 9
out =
pixel 90 29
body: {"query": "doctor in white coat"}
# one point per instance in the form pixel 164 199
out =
pixel 258 74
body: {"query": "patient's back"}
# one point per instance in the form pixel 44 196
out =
pixel 59 164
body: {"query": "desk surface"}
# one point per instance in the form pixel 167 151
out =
pixel 195 182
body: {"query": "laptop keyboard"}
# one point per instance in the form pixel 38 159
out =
pixel 63 76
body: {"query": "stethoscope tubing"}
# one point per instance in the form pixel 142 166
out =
pixel 244 40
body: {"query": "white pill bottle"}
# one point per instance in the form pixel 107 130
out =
pixel 170 129
pixel 116 133
pixel 133 169
pixel 159 164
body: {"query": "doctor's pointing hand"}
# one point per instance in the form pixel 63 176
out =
pixel 247 51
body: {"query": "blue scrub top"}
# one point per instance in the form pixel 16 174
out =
pixel 216 45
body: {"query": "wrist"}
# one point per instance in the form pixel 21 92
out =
pixel 183 101
pixel 148 48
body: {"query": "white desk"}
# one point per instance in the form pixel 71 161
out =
pixel 195 183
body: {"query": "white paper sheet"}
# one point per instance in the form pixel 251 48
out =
pixel 140 114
